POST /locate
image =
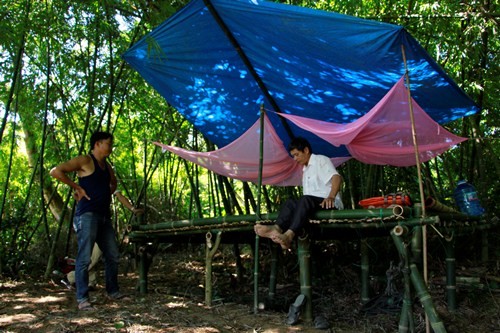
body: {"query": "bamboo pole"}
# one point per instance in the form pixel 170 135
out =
pixel 379 224
pixel 426 300
pixel 211 248
pixel 143 270
pixel 484 247
pixel 406 322
pixel 435 205
pixel 143 266
pixel 395 212
pixel 304 253
pixel 458 217
pixel 273 276
pixel 136 235
pixel 365 271
pixel 419 172
pixel 416 244
pixel 145 183
pixel 257 213
pixel 419 285
pixel 415 141
pixel 331 214
pixel 170 232
pixel 451 283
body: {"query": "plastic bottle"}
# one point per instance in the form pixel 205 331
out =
pixel 466 199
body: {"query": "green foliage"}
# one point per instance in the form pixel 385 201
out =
pixel 62 77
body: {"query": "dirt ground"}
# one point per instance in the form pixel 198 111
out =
pixel 175 301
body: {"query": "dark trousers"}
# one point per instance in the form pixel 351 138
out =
pixel 295 213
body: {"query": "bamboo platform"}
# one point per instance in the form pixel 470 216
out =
pixel 195 230
pixel 403 224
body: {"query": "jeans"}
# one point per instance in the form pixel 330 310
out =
pixel 95 228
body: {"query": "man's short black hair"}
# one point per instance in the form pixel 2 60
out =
pixel 98 136
pixel 300 144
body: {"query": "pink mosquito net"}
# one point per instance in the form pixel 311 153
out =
pixel 240 159
pixel 382 136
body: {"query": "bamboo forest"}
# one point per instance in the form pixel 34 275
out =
pixel 64 77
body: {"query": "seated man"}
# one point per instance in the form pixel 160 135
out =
pixel 321 185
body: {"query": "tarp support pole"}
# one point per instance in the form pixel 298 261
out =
pixel 259 195
pixel 419 173
pixel 247 63
pixel 414 135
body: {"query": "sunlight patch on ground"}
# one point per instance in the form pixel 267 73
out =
pixel 141 329
pixel 47 299
pixel 10 284
pixel 168 328
pixel 87 320
pixel 176 329
pixel 176 305
pixel 17 318
pixel 17 296
pixel 194 266
pixel 21 301
pixel 73 324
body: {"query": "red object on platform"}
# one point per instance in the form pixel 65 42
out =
pixel 401 199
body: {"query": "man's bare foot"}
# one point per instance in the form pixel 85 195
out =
pixel 267 231
pixel 284 240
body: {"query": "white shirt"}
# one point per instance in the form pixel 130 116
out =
pixel 317 178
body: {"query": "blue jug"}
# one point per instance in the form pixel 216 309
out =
pixel 467 200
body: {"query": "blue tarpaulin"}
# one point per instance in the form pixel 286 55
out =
pixel 218 61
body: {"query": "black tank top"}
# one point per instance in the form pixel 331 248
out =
pixel 97 187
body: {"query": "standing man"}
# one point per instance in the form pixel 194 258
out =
pixel 92 221
pixel 321 185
